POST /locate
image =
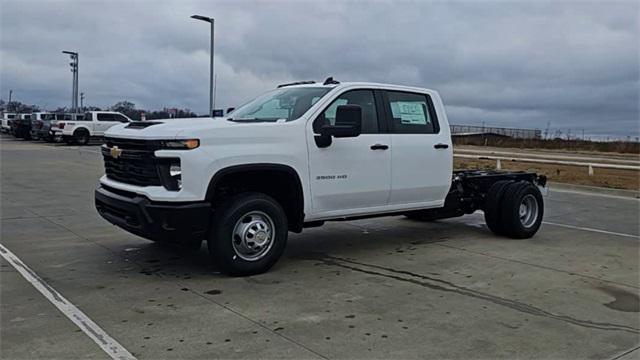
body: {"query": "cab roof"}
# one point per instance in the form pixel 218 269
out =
pixel 330 82
pixel 373 85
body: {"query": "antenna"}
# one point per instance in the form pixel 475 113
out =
pixel 330 81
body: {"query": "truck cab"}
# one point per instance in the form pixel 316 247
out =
pixel 294 157
pixel 83 127
pixel 6 117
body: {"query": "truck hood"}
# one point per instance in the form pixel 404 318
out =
pixel 167 128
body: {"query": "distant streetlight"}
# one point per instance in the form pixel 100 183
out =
pixel 82 100
pixel 9 104
pixel 211 21
pixel 74 69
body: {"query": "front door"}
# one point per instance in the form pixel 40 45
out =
pixel 354 173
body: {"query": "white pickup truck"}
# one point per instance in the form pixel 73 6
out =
pixel 295 157
pixel 81 129
pixel 6 116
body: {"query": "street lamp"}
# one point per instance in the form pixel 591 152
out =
pixel 82 101
pixel 211 21
pixel 74 69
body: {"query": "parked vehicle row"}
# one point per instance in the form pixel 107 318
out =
pixel 56 127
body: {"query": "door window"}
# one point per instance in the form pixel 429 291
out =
pixel 120 118
pixel 105 117
pixel 412 113
pixel 364 98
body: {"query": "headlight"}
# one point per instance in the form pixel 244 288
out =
pixel 180 144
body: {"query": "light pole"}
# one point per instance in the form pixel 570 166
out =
pixel 74 69
pixel 211 21
pixel 9 104
pixel 82 100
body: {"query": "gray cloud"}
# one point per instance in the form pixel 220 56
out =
pixel 511 63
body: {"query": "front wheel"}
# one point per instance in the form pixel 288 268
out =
pixel 249 233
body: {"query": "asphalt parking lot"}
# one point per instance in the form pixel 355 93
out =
pixel 376 288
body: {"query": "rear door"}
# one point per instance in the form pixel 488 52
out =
pixel 422 153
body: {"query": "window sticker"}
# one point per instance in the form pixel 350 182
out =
pixel 409 112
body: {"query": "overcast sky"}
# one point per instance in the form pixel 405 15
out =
pixel 507 63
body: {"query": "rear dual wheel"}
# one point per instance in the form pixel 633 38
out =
pixel 514 209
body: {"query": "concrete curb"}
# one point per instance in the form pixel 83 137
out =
pixel 595 189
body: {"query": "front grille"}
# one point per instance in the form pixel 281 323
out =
pixel 135 164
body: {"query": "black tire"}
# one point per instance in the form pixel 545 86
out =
pixel 81 137
pixel 522 198
pixel 493 205
pixel 245 210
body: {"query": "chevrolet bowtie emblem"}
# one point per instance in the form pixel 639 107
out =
pixel 115 152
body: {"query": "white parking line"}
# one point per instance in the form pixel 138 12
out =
pixel 592 230
pixel 481 223
pixel 91 329
pixel 586 193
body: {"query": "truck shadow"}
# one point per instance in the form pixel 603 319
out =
pixel 354 240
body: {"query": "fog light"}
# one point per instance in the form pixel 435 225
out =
pixel 176 174
pixel 175 170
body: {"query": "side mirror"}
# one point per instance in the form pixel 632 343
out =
pixel 348 122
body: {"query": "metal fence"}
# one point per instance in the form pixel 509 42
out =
pixel 511 132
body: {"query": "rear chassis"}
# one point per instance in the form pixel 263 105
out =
pixel 469 189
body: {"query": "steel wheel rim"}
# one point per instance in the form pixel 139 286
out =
pixel 253 236
pixel 528 211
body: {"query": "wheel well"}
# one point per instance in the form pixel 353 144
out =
pixel 80 129
pixel 281 182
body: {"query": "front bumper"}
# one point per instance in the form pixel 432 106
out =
pixel 157 221
pixel 43 134
pixel 36 134
pixel 56 135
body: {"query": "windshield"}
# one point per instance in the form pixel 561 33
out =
pixel 285 103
